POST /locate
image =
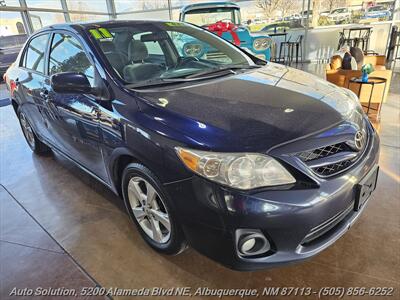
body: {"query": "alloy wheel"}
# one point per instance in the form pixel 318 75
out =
pixel 27 129
pixel 149 209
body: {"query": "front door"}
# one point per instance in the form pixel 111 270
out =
pixel 74 117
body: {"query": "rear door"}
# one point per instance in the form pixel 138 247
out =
pixel 31 80
pixel 74 117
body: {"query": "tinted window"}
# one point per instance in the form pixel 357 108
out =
pixel 34 55
pixel 67 55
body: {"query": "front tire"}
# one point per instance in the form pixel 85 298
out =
pixel 151 210
pixel 31 138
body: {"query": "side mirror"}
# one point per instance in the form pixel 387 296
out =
pixel 71 83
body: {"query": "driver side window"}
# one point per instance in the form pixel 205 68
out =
pixel 67 55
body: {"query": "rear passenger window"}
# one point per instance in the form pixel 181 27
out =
pixel 35 53
pixel 67 55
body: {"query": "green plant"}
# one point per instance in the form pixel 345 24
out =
pixel 368 68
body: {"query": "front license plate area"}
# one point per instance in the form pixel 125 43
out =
pixel 365 188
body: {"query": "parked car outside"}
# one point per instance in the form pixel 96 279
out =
pixel 325 13
pixel 252 163
pixel 10 46
pixel 281 27
pixel 377 12
pixel 223 18
pixel 340 15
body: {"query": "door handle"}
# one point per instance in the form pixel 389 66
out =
pixel 44 94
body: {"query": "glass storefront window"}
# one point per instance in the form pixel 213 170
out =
pixel 4 3
pixel 92 5
pixel 54 4
pixel 139 5
pixel 11 23
pixel 87 17
pixel 41 19
pixel 328 13
pixel 145 15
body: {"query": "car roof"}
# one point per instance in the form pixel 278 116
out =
pixel 79 26
pixel 195 6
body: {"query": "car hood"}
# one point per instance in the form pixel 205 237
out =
pixel 253 110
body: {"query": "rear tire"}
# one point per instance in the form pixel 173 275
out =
pixel 151 209
pixel 37 146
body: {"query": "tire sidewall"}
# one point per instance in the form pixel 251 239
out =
pixel 33 147
pixel 176 241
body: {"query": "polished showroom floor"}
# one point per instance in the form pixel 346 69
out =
pixel 61 228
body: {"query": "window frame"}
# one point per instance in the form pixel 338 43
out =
pixel 81 43
pixel 25 51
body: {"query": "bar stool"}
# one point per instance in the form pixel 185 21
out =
pixel 298 45
pixel 365 40
pixel 283 45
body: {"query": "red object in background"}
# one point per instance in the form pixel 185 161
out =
pixel 13 85
pixel 221 27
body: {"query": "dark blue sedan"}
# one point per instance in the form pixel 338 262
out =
pixel 253 164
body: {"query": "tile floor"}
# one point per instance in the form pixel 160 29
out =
pixel 60 227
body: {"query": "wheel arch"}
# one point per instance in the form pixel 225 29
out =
pixel 120 158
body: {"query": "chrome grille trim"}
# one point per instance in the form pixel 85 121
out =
pixel 323 152
pixel 216 55
pixel 333 159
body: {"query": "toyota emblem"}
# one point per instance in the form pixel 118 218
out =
pixel 359 140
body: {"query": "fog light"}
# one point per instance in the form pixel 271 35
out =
pixel 251 242
pixel 248 245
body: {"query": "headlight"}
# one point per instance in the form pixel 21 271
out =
pixel 262 43
pixel 192 49
pixel 238 170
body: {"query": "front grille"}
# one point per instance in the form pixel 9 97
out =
pixel 332 169
pixel 330 160
pixel 323 152
pixel 218 56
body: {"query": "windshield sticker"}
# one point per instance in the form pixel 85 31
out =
pixel 105 33
pixel 96 34
pixel 101 34
pixel 174 24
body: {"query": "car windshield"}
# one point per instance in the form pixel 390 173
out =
pixel 209 16
pixel 148 53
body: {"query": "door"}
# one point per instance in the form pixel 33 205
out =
pixel 30 80
pixel 74 117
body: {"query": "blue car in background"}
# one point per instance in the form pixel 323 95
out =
pixel 377 12
pixel 223 18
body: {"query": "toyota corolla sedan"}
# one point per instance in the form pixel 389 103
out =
pixel 253 164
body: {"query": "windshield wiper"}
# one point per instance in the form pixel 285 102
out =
pixel 206 74
pixel 153 82
pixel 214 72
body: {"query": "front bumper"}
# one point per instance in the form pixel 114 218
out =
pixel 210 215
